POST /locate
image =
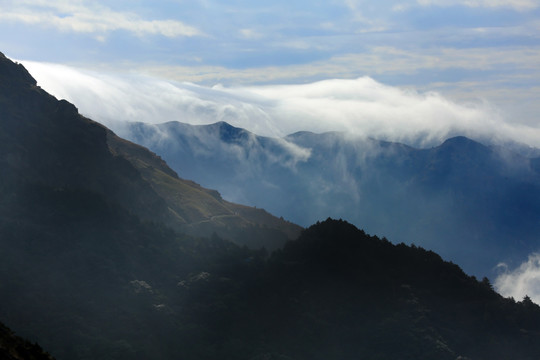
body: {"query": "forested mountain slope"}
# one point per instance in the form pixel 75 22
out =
pixel 338 293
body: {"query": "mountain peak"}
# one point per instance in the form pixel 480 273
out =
pixel 229 133
pixel 460 141
pixel 462 144
pixel 12 73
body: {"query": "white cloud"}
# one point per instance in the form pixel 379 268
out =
pixel 250 34
pixel 524 280
pixel 361 106
pixel 366 107
pixel 146 99
pixel 89 17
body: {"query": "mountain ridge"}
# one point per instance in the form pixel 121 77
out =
pixel 338 293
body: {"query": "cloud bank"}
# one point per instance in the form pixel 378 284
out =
pixel 524 280
pixel 360 106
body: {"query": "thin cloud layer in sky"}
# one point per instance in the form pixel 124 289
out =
pixel 520 5
pixel 90 18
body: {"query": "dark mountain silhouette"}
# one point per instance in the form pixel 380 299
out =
pixel 338 293
pixel 474 204
pixel 13 347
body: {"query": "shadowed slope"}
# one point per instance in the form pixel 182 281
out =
pixel 46 141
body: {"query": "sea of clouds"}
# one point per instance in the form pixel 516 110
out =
pixel 359 106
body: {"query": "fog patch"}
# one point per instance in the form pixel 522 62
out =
pixel 521 281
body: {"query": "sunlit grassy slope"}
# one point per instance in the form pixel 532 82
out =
pixel 200 211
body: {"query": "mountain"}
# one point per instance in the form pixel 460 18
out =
pixel 46 142
pixel 93 268
pixel 477 205
pixel 88 220
pixel 338 293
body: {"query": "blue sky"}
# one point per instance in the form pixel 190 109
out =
pixel 355 38
pixel 483 54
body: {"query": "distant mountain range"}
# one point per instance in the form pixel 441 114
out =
pixel 102 258
pixel 474 204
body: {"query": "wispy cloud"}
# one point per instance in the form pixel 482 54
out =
pixel 521 281
pixel 250 34
pixel 89 17
pixel 520 5
pixel 378 60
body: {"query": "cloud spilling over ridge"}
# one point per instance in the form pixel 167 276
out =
pixel 524 280
pixel 359 106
